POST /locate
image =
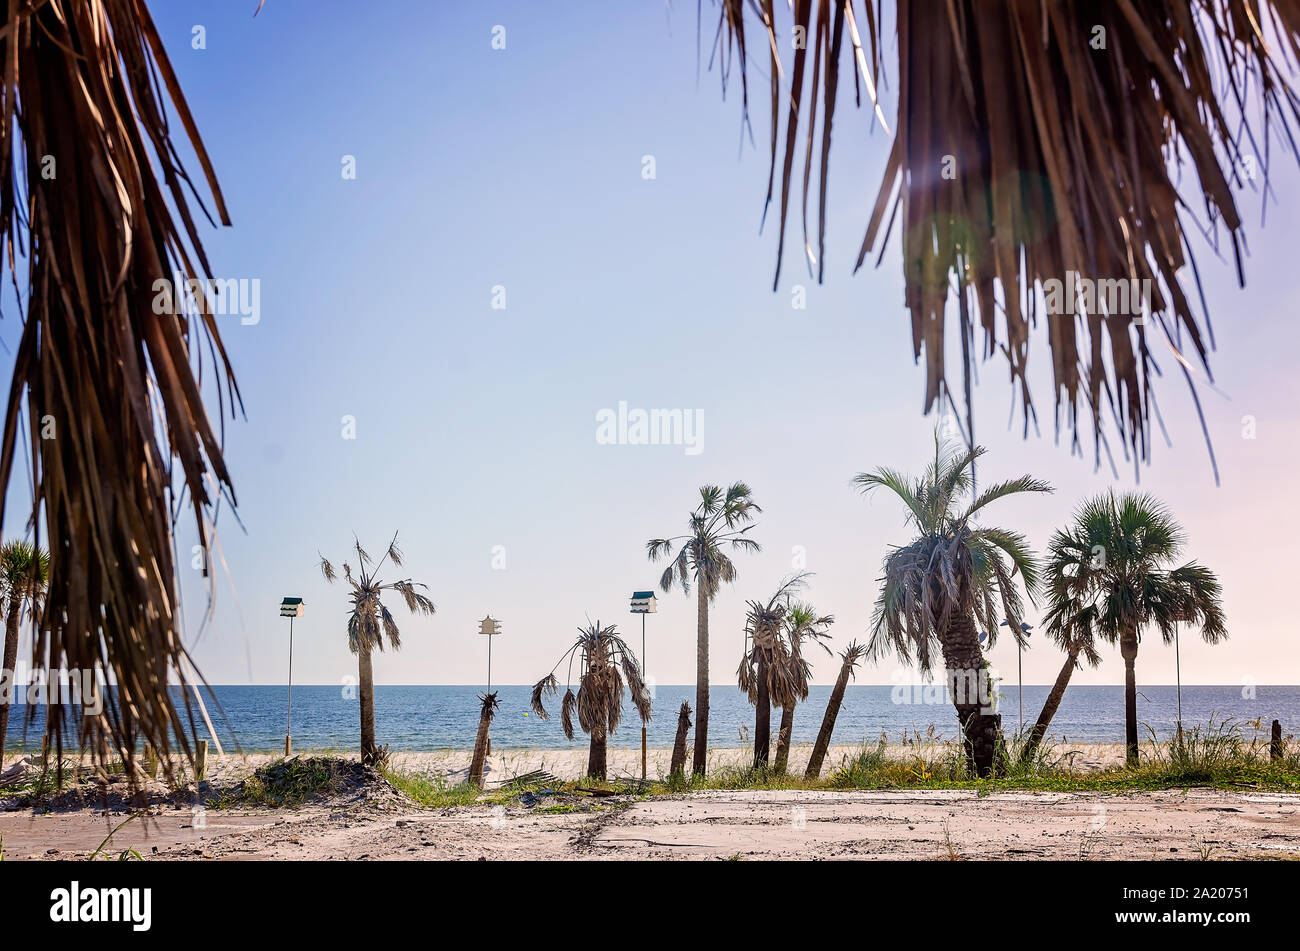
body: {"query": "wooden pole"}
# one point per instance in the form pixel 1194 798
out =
pixel 288 715
pixel 643 676
pixel 201 761
pixel 1275 746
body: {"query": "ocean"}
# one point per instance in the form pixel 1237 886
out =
pixel 416 718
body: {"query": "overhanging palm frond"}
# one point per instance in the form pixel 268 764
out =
pixel 547 685
pixel 93 204
pixel 1033 143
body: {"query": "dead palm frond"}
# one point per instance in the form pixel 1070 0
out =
pixel 768 656
pixel 370 623
pixel 95 214
pixel 605 661
pixel 1034 141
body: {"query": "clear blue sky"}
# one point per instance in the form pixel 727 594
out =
pixel 476 427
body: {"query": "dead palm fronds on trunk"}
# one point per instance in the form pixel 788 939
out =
pixel 605 660
pixel 954 574
pixel 677 766
pixel 719 525
pixel 766 673
pixel 802 624
pixel 850 658
pixel 483 742
pixel 96 219
pixel 1035 141
pixel 370 623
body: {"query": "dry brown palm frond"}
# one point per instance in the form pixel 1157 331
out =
pixel 605 660
pixel 416 602
pixel 548 685
pixel 1036 141
pixel 93 207
pixel 490 705
pixel 635 683
pixel 567 706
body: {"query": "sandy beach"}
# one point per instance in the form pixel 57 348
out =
pixel 377 822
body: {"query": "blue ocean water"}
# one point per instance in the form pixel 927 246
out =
pixel 440 717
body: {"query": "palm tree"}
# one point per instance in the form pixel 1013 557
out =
pixel 1071 622
pixel 953 575
pixel 1115 560
pixel 599 700
pixel 24 573
pixel 483 740
pixel 702 558
pixel 114 387
pixel 370 623
pixel 849 659
pixel 1031 144
pixel 802 623
pixel 766 672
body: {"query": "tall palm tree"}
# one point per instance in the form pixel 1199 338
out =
pixel 850 658
pixel 96 209
pixel 953 576
pixel 718 525
pixel 1117 556
pixel 1071 622
pixel 766 672
pixel 370 623
pixel 1030 144
pixel 605 660
pixel 24 573
pixel 802 624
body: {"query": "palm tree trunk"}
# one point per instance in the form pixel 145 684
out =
pixel 762 718
pixel 701 682
pixel 783 738
pixel 482 742
pixel 828 722
pixel 678 763
pixel 1039 729
pixel 10 662
pixel 369 751
pixel 1128 648
pixel 972 695
pixel 596 756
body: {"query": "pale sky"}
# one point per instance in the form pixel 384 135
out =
pixel 476 427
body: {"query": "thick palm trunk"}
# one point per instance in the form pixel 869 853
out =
pixel 972 696
pixel 678 764
pixel 762 718
pixel 1128 648
pixel 701 682
pixel 369 751
pixel 10 662
pixel 1039 729
pixel 482 742
pixel 828 722
pixel 596 756
pixel 783 738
